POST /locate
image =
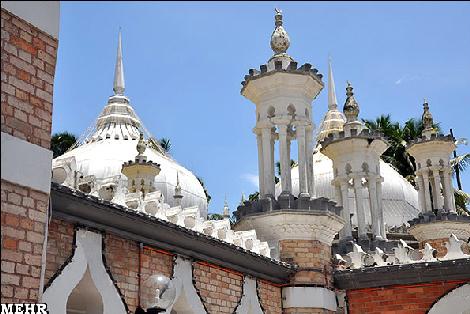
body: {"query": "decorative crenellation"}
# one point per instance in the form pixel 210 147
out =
pixel 279 66
pixel 402 254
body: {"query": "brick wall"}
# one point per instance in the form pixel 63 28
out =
pixel 59 246
pixel 270 297
pixel 122 258
pixel 22 218
pixel 28 67
pixel 220 289
pixel 416 299
pixel 312 255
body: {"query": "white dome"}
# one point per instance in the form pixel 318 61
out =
pixel 400 199
pixel 104 159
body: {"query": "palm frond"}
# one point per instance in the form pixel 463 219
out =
pixel 461 162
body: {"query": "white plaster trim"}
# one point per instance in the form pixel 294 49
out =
pixel 87 254
pixel 26 164
pixel 183 281
pixel 309 297
pixel 249 304
pixel 456 301
pixel 42 14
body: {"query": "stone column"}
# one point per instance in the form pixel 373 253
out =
pixel 259 141
pixel 303 191
pixel 437 189
pixel 373 204
pixel 289 180
pixel 361 219
pixel 427 196
pixel 310 180
pixel 285 159
pixel 448 190
pixel 268 163
pixel 346 213
pixel 380 207
pixel 421 202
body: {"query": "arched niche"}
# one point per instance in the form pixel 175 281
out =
pixel 249 303
pixel 86 268
pixel 85 297
pixel 187 300
pixel 455 301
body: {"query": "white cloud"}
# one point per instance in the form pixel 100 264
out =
pixel 252 178
pixel 408 78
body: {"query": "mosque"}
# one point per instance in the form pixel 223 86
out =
pixel 119 226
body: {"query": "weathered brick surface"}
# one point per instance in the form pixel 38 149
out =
pixel 220 289
pixel 59 246
pixel 23 215
pixel 28 67
pixel 416 299
pixel 122 258
pixel 313 258
pixel 270 297
pixel 306 310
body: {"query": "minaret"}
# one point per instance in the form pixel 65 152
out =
pixel 226 210
pixel 119 83
pixel 438 218
pixel 298 228
pixel 355 153
pixel 178 195
pixel 334 119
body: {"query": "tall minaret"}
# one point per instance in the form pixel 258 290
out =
pixel 119 83
pixel 283 93
pixel 334 119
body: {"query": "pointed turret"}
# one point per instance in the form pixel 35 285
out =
pixel 332 102
pixel 178 195
pixel 226 211
pixel 334 119
pixel 119 84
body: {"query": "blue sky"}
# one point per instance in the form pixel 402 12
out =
pixel 184 63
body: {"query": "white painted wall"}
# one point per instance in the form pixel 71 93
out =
pixel 456 301
pixel 42 14
pixel 249 303
pixel 26 164
pixel 310 297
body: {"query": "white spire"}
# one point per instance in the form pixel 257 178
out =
pixel 332 102
pixel 119 84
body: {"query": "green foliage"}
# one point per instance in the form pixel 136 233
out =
pixel 61 142
pixel 462 200
pixel 461 162
pixel 208 197
pixel 253 196
pixel 165 144
pixel 215 216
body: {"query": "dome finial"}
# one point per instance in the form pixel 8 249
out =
pixel 351 107
pixel 332 102
pixel 427 118
pixel 141 147
pixel 119 84
pixel 280 41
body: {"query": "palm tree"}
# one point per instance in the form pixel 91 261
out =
pixel 61 142
pixel 165 144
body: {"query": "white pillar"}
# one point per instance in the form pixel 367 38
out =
pixel 302 160
pixel 285 159
pixel 449 190
pixel 289 180
pixel 421 202
pixel 268 163
pixel 361 219
pixel 346 213
pixel 373 204
pixel 427 196
pixel 380 207
pixel 437 188
pixel 310 181
pixel 260 163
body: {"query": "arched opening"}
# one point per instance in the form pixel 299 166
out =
pixel 271 113
pixel 291 110
pixel 85 297
pixel 456 301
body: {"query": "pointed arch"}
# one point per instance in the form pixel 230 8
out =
pixel 249 303
pixel 88 257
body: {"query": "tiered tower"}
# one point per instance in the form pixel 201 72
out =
pixel 298 228
pixel 355 153
pixel 438 219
